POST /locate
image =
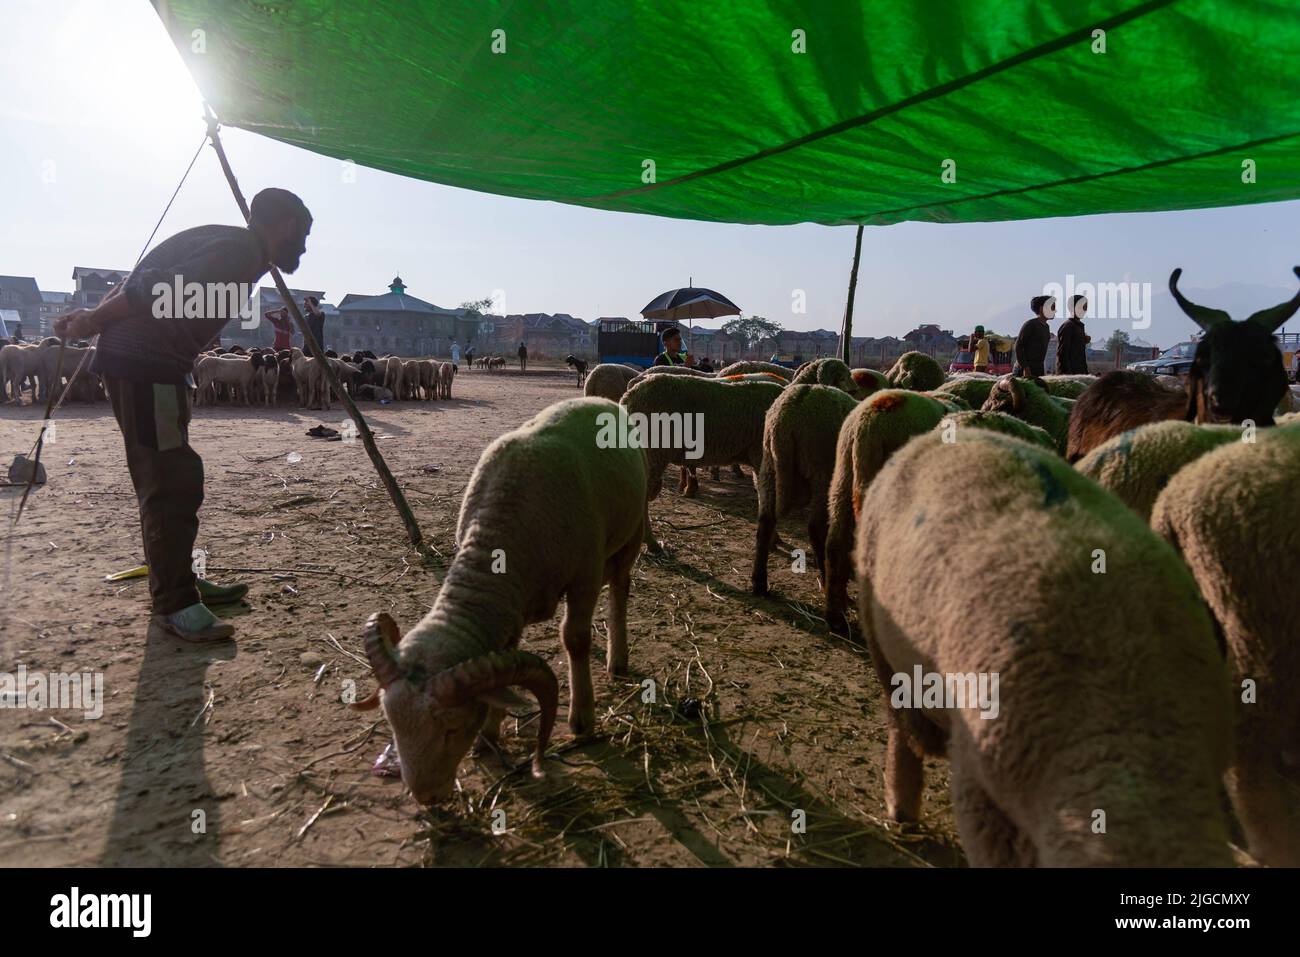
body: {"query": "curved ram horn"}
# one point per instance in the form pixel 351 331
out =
pixel 1203 316
pixel 501 669
pixel 1270 319
pixel 380 637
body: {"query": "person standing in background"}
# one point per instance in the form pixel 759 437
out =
pixel 455 354
pixel 523 357
pixel 283 326
pixel 1035 335
pixel 1072 341
pixel 315 322
pixel 979 345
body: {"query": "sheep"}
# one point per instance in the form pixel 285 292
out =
pixel 269 375
pixel 869 381
pixel 1236 376
pixel 237 373
pixel 677 370
pixel 751 365
pixel 1233 515
pixel 446 373
pixel 430 380
pixel 1026 400
pixel 799 436
pixel 828 371
pixel 609 380
pixel 732 411
pixel 447 680
pixel 875 429
pixel 972 389
pixel 579 366
pixel 1111 698
pixel 376 393
pixel 18 362
pixel 1138 464
pixel 1000 422
pixel 393 370
pixel 411 379
pixel 1067 386
pixel 915 371
pixel 309 378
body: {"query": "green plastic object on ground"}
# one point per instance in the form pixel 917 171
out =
pixel 777 111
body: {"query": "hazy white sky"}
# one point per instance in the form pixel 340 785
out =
pixel 98 119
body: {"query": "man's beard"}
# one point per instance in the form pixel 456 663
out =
pixel 287 264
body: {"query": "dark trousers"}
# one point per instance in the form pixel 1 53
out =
pixel 168 479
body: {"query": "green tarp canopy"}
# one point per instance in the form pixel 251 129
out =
pixel 777 111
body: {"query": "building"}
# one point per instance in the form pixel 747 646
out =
pixel 9 323
pixel 546 335
pixel 398 323
pixel 53 305
pixel 21 295
pixel 92 284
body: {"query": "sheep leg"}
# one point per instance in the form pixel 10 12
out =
pixel 489 737
pixel 684 479
pixel 817 525
pixel 620 586
pixel 692 483
pixel 575 631
pixel 988 836
pixel 1258 793
pixel 904 777
pixel 766 533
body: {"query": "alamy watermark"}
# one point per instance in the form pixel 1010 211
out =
pixel 1130 301
pixel 57 690
pixel 922 689
pixel 204 300
pixel 653 430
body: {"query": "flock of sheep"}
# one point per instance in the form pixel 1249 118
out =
pixel 1143 654
pixel 236 376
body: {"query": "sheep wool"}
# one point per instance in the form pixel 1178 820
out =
pixel 872 431
pixel 547 514
pixel 1025 400
pixel 1099 705
pixel 915 371
pixel 609 380
pixel 973 390
pixel 752 365
pixel 1234 515
pixel 995 422
pixel 1068 386
pixel 799 436
pixel 828 371
pixel 1138 464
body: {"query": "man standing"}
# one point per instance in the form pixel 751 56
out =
pixel 144 354
pixel 315 322
pixel 672 354
pixel 1035 335
pixel 979 345
pixel 1072 342
pixel 283 326
pixel 523 357
pixel 455 354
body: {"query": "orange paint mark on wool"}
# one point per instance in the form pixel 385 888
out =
pixel 887 402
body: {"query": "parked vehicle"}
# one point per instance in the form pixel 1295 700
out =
pixel 1176 360
pixel 1001 357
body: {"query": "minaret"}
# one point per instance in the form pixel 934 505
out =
pixel 397 287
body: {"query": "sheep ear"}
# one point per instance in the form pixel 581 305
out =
pixel 1270 319
pixel 1203 316
pixel 503 698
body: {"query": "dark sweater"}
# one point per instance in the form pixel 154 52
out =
pixel 144 348
pixel 1071 348
pixel 1031 346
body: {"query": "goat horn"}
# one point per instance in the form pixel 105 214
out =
pixel 368 704
pixel 1203 316
pixel 1270 319
pixel 380 636
pixel 500 669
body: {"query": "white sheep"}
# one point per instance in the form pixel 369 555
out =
pixel 728 415
pixel 446 374
pixel 752 365
pixel 1105 720
pixel 548 514
pixel 1234 514
pixel 609 380
pixel 1136 465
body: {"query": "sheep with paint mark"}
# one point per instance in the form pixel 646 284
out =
pixel 1111 704
pixel 869 435
pixel 915 371
pixel 1233 514
pixel 1026 400
pixel 1138 464
pixel 799 436
pixel 722 420
pixel 519 551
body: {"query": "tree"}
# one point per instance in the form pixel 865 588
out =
pixel 1118 340
pixel 752 329
pixel 478 307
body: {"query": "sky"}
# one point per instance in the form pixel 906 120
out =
pixel 99 119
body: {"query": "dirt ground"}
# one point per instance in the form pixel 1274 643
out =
pixel 246 755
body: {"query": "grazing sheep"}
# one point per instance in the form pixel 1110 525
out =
pixel 609 380
pixel 393 373
pixel 411 379
pixel 1136 465
pixel 431 379
pixel 729 417
pixel 1111 697
pixel 237 373
pixel 579 366
pixel 1234 515
pixel 752 365
pixel 518 552
pixel 20 362
pixel 446 373
pixel 832 372
pixel 799 435
pixel 1026 400
pixel 999 422
pixel 915 371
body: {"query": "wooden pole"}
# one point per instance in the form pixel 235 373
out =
pixel 846 331
pixel 367 439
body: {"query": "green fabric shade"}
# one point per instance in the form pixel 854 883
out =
pixel 742 128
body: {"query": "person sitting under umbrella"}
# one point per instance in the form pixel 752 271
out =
pixel 672 354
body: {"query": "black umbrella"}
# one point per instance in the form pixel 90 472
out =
pixel 691 303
